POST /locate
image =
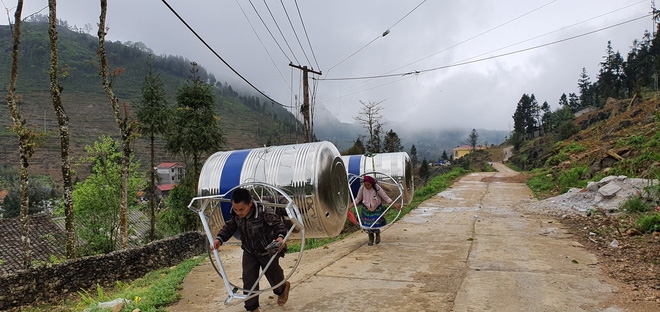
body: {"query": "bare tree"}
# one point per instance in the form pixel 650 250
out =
pixel 126 126
pixel 63 122
pixel 27 138
pixel 370 119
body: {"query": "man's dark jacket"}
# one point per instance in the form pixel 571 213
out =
pixel 260 227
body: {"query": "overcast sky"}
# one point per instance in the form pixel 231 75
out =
pixel 510 48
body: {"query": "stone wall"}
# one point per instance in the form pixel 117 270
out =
pixel 53 282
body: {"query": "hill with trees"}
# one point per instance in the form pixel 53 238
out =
pixel 249 120
pixel 608 130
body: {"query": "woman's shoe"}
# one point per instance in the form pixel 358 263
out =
pixel 371 239
pixel 377 238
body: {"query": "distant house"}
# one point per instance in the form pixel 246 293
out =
pixel 164 189
pixel 170 173
pixel 463 150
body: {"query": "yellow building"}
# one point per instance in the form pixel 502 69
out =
pixel 460 151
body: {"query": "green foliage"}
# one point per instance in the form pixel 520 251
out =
pixel 424 169
pixel 636 141
pixel 573 177
pixel 472 138
pixel 541 183
pixel 635 204
pixel 96 200
pixel 573 147
pixel 152 292
pixel 153 112
pixel 195 127
pixel 649 223
pixel 556 159
pixel 356 149
pixel 178 218
pixel 567 129
pixel 437 184
pixel 631 167
pixel 392 142
pixel 41 188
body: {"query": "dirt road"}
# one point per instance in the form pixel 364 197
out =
pixel 466 249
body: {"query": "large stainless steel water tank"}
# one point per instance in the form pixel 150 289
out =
pixel 396 165
pixel 312 174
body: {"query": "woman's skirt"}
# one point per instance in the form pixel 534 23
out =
pixel 369 219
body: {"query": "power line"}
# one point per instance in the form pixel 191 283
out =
pixel 478 35
pixel 280 30
pixel 491 57
pixel 268 29
pixel 215 53
pixel 294 31
pixel 616 10
pixel 558 30
pixel 306 35
pixel 466 40
pixel 264 46
pixel 385 33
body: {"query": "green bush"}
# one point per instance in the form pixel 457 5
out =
pixel 649 223
pixel 637 140
pixel 573 147
pixel 635 204
pixel 573 178
pixel 556 159
pixel 541 183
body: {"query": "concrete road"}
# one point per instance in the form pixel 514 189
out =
pixel 465 249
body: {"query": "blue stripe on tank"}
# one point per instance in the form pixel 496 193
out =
pixel 231 177
pixel 354 168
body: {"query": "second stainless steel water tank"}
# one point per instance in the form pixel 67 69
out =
pixel 396 165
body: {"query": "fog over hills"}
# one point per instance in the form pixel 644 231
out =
pixel 429 140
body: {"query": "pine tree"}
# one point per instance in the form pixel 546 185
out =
pixel 153 114
pixel 195 131
pixel 413 156
pixel 392 143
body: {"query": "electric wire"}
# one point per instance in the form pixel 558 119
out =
pixel 280 30
pixel 480 34
pixel 268 29
pixel 264 46
pixel 306 35
pixel 471 38
pixel 555 31
pixel 491 57
pixel 379 36
pixel 294 32
pixel 216 53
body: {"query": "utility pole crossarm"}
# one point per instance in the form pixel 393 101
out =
pixel 305 107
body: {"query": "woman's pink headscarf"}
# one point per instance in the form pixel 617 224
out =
pixel 370 180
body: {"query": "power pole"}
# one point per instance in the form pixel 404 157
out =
pixel 305 107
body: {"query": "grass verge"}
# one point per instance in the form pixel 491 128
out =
pixel 150 293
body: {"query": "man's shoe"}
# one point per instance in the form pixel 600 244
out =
pixel 281 299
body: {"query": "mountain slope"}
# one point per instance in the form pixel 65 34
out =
pixel 247 119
